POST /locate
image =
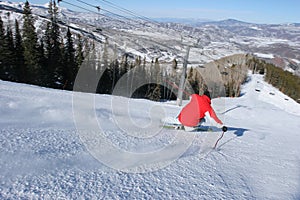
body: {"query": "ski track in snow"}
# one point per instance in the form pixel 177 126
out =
pixel 42 155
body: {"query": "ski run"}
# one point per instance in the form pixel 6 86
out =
pixel 49 148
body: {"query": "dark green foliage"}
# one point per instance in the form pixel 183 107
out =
pixel 24 59
pixel 285 81
pixel 21 70
pixel 2 32
pixel 54 67
pixel 1 29
pixel 11 54
pixel 30 43
pixel 70 68
pixel 43 63
pixel 8 54
pixel 105 83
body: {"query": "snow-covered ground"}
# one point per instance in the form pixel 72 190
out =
pixel 50 149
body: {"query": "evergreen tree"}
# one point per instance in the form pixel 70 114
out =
pixel 49 68
pixel 79 51
pixel 21 71
pixel 70 66
pixel 105 82
pixel 9 56
pixel 43 64
pixel 30 43
pixel 2 32
pixel 53 49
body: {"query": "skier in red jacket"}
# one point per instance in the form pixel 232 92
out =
pixel 195 111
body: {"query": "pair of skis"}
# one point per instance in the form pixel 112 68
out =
pixel 180 127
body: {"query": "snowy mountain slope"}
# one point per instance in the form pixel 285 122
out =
pixel 44 153
pixel 166 41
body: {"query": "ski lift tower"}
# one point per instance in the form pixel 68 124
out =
pixel 183 77
pixel 185 62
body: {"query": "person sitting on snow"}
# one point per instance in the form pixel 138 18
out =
pixel 192 115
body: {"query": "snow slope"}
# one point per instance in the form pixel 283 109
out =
pixel 46 153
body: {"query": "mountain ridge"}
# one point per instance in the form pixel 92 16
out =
pixel 168 41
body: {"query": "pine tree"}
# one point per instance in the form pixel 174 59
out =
pixel 42 62
pixel 30 42
pixel 49 68
pixel 70 66
pixel 2 33
pixel 21 71
pixel 53 49
pixel 50 10
pixel 79 51
pixel 9 55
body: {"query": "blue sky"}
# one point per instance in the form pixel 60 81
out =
pixel 258 11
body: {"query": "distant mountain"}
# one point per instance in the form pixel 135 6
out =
pixel 228 22
pixel 189 21
pixel 168 38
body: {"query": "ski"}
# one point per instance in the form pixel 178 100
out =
pixel 180 127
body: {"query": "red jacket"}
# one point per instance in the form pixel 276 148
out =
pixel 195 110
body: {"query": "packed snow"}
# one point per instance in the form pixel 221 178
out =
pixel 263 55
pixel 48 147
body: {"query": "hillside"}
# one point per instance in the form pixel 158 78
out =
pixel 51 147
pixel 169 40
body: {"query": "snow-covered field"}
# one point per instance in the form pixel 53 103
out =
pixel 49 148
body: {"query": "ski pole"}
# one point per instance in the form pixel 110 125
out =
pixel 224 129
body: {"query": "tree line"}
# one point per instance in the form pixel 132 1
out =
pixel 128 76
pixel 47 60
pixel 285 81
